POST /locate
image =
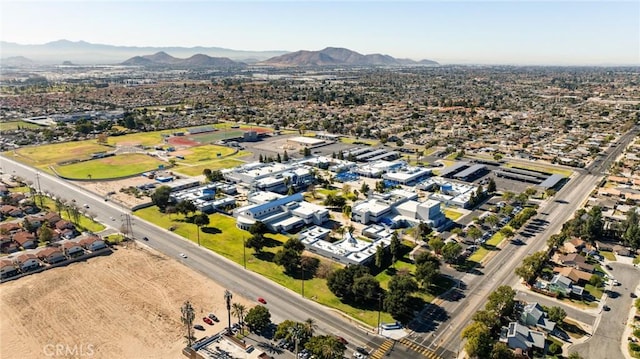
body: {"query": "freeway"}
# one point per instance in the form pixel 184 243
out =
pixel 439 325
pixel 282 302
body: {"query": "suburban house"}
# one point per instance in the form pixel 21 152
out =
pixel 533 316
pixel 51 255
pixel 63 224
pixel 518 336
pixel 25 239
pixel 10 227
pixel 34 221
pixel 576 245
pixel 51 218
pixel 11 211
pixel 7 268
pixel 577 276
pixel 575 260
pixel 92 243
pixel 564 285
pixel 27 261
pixel 72 249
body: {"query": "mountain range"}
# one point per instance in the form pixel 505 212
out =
pixel 81 52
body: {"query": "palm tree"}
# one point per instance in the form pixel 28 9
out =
pixel 309 327
pixel 188 315
pixel 238 310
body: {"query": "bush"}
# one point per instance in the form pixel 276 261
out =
pixel 554 348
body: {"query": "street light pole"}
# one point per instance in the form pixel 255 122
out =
pixel 244 252
pixel 39 188
pixel 302 268
pixel 379 310
pixel 227 298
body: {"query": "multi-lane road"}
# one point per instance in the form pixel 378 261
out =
pixel 441 323
pixel 440 326
pixel 282 303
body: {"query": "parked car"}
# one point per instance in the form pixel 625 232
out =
pixel 199 327
pixel 208 320
pixel 606 308
pixel 213 317
pixel 261 300
pixel 342 340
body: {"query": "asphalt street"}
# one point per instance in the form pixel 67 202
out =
pixel 282 303
pixel 605 342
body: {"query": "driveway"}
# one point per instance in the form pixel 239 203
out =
pixel 605 343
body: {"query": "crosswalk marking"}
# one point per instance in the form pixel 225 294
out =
pixel 419 349
pixel 382 349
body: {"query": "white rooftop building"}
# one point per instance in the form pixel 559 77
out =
pixel 274 176
pixel 281 215
pixel 349 250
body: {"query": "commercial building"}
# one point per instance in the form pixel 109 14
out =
pixel 448 192
pixel 274 177
pixel 204 196
pixel 348 250
pixel 283 214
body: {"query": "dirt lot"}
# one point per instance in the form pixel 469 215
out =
pixel 126 305
pixel 104 187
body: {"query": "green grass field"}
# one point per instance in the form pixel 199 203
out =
pixel 13 125
pixel 351 140
pixel 212 165
pixel 199 154
pixel 609 256
pixel 452 214
pixel 46 155
pixel 142 138
pixel 110 167
pixel 549 168
pixel 211 137
pixel 227 240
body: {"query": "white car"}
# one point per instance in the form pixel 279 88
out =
pixel 182 255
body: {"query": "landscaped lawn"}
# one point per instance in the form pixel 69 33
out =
pixel 141 138
pixel 123 165
pixel 13 125
pixel 212 165
pixel 45 155
pixel 609 255
pixel 452 214
pixel 226 239
pixel 594 291
pixel 86 223
pixel 479 255
pixel 367 142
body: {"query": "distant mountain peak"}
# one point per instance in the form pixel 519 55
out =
pixel 339 56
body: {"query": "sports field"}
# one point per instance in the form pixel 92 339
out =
pixel 46 155
pixel 110 167
pixel 210 137
pixel 142 138
pixel 214 165
pixel 200 154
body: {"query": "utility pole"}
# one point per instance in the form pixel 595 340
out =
pixel 302 268
pixel 39 188
pixel 379 310
pixel 227 298
pixel 244 252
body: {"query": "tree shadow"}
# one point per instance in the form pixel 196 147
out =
pixel 211 230
pixel 490 247
pixel 271 243
pixel 265 256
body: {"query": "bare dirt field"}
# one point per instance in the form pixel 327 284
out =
pixel 104 187
pixel 125 305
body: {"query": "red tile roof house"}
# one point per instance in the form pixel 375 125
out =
pixel 51 255
pixel 576 261
pixel 52 218
pixel 35 221
pixel 63 224
pixel 25 239
pixel 10 227
pixel 27 261
pixel 12 211
pixel 92 243
pixel 72 249
pixel 7 268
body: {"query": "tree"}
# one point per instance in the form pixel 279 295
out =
pixel 501 351
pixel 379 256
pixel 479 340
pixel 596 281
pixel 258 318
pixel 474 233
pixel 451 251
pixel 594 224
pixel 364 189
pixel 380 187
pixel 530 266
pixel 488 318
pixel 492 220
pixel 200 220
pixel 631 229
pixel 508 196
pixel 46 234
pixel 394 246
pixel 403 283
pixel 238 310
pixel 161 197
pixel 502 301
pixel 188 315
pixel 491 186
pixel 258 228
pixel 185 207
pixel 427 269
pixel 326 347
pixel 256 241
pixel 340 281
pixel 365 289
pixel 283 329
pixel 575 355
pixel 436 243
pixel 507 232
pixel 285 156
pixel 556 314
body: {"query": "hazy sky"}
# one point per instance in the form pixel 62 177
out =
pixel 499 32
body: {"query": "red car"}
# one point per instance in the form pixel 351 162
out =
pixel 208 320
pixel 261 300
pixel 342 340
